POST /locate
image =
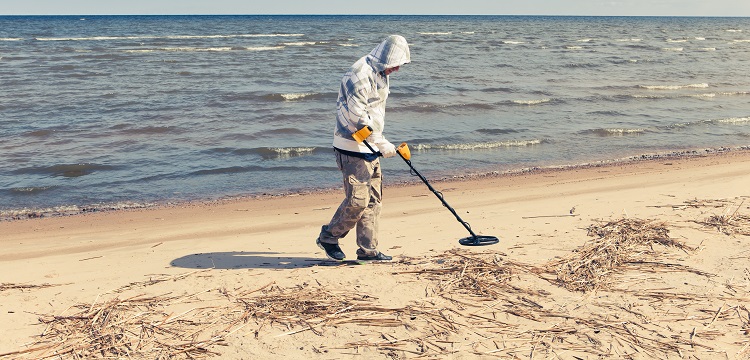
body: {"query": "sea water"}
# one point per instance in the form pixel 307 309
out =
pixel 117 111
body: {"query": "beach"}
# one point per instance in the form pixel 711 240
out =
pixel 243 278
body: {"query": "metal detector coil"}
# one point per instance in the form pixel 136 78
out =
pixel 405 154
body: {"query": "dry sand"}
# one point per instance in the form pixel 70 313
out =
pixel 244 278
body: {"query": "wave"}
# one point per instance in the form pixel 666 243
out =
pixel 149 130
pixel 642 96
pixel 497 131
pixel 512 42
pixel 674 87
pixel 607 113
pixel 741 40
pixel 293 96
pixel 613 131
pixel 676 40
pixel 299 96
pixel 732 120
pixel 436 33
pixel 476 146
pixel 11 39
pixel 582 65
pixel 429 108
pixel 30 190
pixel 531 102
pixel 171 37
pixel 273 152
pixel 182 49
pixel 724 121
pixel 673 49
pixel 706 95
pixel 303 43
pixel 282 131
pixel 256 168
pixel 496 89
pixel 41 133
pixel 65 170
pixel 573 47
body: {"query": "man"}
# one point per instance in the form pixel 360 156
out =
pixel 361 103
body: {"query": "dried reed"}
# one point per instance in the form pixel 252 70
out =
pixel 617 243
pixel 729 224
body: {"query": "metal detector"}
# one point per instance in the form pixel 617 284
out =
pixel 405 154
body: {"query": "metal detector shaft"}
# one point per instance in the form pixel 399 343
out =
pixel 403 151
pixel 437 193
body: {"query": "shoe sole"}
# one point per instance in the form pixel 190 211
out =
pixel 326 252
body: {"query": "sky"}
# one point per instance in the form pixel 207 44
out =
pixel 420 7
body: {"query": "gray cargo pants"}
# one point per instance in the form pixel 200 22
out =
pixel 363 187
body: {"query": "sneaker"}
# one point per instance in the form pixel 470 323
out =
pixel 333 251
pixel 379 257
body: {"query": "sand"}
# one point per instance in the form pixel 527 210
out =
pixel 243 279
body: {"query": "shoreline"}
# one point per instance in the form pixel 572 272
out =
pixel 76 210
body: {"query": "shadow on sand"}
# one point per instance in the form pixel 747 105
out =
pixel 247 260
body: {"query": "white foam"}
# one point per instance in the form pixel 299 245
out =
pixel 264 48
pixel 733 120
pixel 531 102
pixel 674 87
pixel 11 39
pixel 296 96
pixel 293 150
pixel 585 40
pixel 708 49
pixel 676 41
pixel 194 49
pixel 629 40
pixel 735 93
pixel 301 43
pixel 570 47
pixel 741 40
pixel 467 32
pixel 673 49
pixel 639 96
pixel 435 33
pixel 478 146
pixel 699 38
pixel 511 42
pixel 353 45
pixel 706 95
pixel 734 30
pixel 623 131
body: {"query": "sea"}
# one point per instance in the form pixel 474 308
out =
pixel 111 112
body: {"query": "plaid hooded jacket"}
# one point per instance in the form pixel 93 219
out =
pixel 364 90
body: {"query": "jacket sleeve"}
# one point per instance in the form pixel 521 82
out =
pixel 358 107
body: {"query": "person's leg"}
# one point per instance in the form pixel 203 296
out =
pixel 367 227
pixel 357 174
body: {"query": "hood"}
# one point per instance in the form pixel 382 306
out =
pixel 392 52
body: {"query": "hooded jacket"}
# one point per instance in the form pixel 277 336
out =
pixel 363 92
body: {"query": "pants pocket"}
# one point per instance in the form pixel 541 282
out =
pixel 359 193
